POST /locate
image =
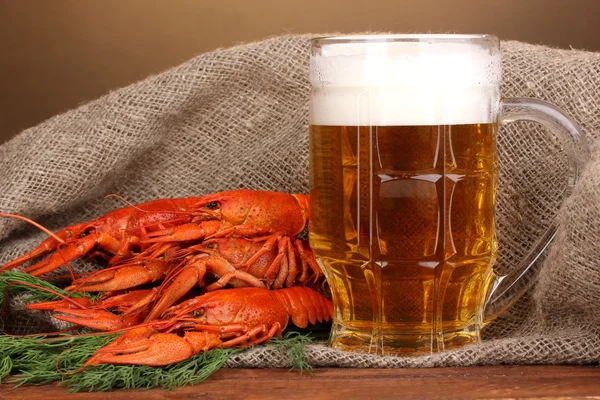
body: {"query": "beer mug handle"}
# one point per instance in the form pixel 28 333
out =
pixel 506 289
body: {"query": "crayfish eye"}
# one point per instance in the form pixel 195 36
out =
pixel 199 312
pixel 212 205
pixel 304 234
pixel 86 233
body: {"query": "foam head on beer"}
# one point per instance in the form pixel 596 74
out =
pixel 395 83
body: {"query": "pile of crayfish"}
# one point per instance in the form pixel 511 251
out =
pixel 245 251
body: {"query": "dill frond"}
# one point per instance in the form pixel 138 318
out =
pixel 293 344
pixel 34 361
pixel 192 371
pixel 11 283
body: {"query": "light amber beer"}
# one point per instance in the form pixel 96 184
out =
pixel 403 182
pixel 408 240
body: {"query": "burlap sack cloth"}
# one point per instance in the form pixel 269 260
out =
pixel 237 118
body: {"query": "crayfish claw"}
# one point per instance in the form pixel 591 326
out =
pixel 157 349
pixel 95 319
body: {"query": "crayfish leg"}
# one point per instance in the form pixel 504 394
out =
pixel 181 284
pixel 250 338
pixel 124 250
pixel 242 230
pixel 221 267
pixel 182 233
pixel 293 267
pixel 308 256
pixel 282 274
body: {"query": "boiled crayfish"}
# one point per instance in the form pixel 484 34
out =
pixel 248 213
pixel 230 239
pixel 224 318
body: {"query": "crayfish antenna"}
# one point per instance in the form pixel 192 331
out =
pixel 65 298
pixel 32 222
pixel 37 252
pixel 38 335
pixel 40 250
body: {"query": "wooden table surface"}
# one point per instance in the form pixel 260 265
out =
pixel 502 382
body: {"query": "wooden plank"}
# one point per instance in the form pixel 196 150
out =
pixel 500 382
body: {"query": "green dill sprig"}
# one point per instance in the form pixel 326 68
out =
pixel 38 360
pixel 192 371
pixel 13 282
pixel 34 361
pixel 293 344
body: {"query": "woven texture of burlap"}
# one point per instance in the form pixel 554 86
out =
pixel 238 118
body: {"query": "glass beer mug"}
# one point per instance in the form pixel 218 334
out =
pixel 403 186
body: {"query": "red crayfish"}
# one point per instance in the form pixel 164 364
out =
pixel 223 318
pixel 231 239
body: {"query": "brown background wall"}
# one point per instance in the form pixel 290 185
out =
pixel 56 54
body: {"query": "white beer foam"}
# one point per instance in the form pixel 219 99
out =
pixel 404 83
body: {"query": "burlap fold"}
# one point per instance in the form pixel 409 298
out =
pixel 237 118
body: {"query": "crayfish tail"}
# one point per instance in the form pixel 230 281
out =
pixel 305 305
